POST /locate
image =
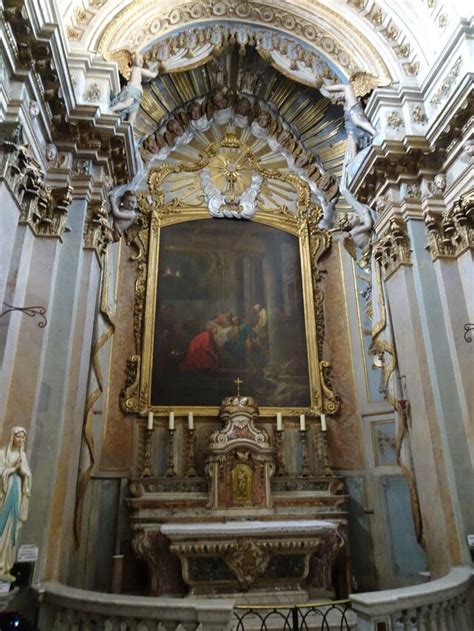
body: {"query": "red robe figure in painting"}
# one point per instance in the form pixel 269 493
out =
pixel 201 354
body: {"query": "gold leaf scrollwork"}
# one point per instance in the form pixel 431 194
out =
pixel 129 393
pixel 331 400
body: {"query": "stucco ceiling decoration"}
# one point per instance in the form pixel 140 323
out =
pixel 194 47
pixel 313 123
pixel 143 23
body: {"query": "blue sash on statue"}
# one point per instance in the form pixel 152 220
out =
pixel 11 506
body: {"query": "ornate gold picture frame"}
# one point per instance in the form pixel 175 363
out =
pixel 155 215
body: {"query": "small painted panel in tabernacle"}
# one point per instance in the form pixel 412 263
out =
pixel 229 304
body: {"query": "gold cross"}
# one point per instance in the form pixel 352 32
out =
pixel 239 382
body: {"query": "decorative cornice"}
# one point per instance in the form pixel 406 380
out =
pixel 392 250
pixel 43 208
pixel 451 233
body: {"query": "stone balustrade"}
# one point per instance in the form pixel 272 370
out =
pixel 64 608
pixel 440 605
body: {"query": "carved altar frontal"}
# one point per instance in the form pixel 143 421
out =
pixel 243 526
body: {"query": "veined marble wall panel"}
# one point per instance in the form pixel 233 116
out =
pixel 456 315
pixel 344 435
pixel 50 414
pixel 442 544
pixel 8 225
pixel 117 436
pixel 447 383
pixel 62 511
pixel 31 341
pixel 408 557
pixel 14 295
pixel 360 538
pixel 465 265
pixel 106 532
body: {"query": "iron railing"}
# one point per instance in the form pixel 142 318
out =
pixel 325 616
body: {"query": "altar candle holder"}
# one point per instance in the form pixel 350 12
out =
pixel 146 471
pixel 170 472
pixel 190 470
pixel 327 467
pixel 281 467
pixel 304 454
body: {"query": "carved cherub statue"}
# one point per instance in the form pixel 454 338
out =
pixel 131 67
pixel 360 131
pixel 359 226
pixel 124 211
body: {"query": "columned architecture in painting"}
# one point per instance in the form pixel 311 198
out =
pixel 236 331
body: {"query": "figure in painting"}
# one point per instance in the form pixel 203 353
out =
pixel 360 131
pixel 131 67
pixel 202 352
pixel 15 491
pixel 261 326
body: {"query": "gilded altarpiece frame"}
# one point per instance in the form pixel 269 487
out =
pixel 144 237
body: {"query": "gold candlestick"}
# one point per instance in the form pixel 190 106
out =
pixel 304 454
pixel 281 467
pixel 146 471
pixel 327 467
pixel 170 472
pixel 190 471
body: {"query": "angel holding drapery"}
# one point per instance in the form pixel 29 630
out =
pixel 360 131
pixel 131 67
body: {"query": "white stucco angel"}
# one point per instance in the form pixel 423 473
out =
pixel 15 489
pixel 124 209
pixel 360 131
pixel 131 67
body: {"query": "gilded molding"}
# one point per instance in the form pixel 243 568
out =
pixel 450 234
pixel 392 250
pixel 155 212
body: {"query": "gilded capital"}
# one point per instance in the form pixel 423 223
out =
pixel 451 233
pixel 393 247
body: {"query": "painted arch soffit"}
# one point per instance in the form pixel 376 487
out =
pixel 142 22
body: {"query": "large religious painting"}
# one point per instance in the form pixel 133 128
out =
pixel 228 304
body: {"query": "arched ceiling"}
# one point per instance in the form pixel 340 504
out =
pixel 315 123
pixel 393 40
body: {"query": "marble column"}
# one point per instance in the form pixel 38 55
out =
pixel 61 392
pixel 440 461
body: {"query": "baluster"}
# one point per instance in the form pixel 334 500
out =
pixel 422 617
pixel 433 618
pixel 450 609
pixel 442 617
pixel 463 613
pixel 408 616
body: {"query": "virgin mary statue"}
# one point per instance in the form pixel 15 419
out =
pixel 15 486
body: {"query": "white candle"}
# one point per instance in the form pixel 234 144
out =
pixel 171 421
pixel 323 422
pixel 150 420
pixel 302 422
pixel 279 422
pixel 190 420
